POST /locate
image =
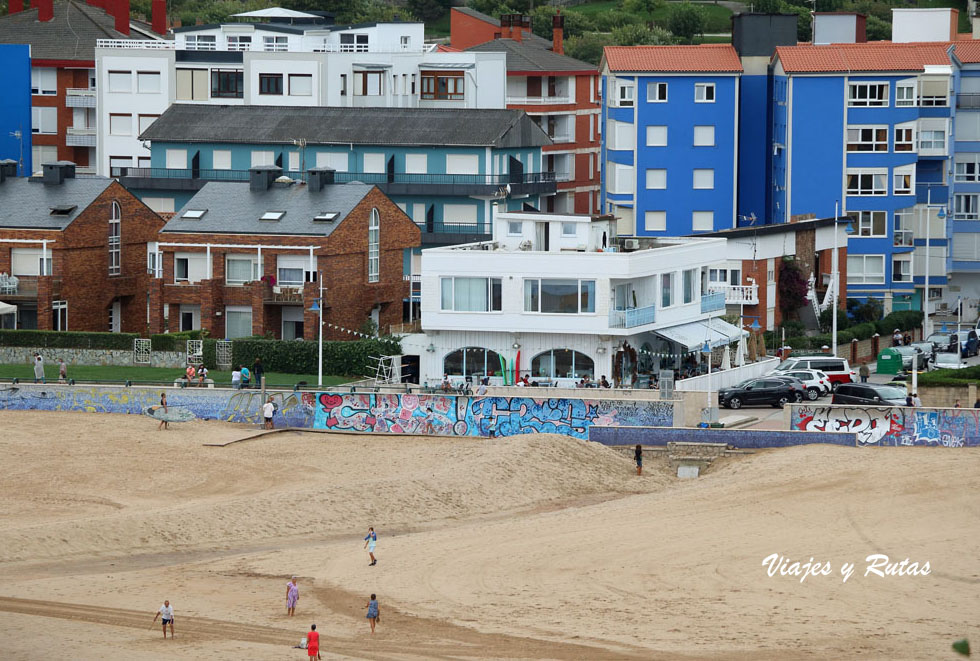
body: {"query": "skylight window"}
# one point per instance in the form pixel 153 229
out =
pixel 194 214
pixel 326 216
pixel 272 215
pixel 63 209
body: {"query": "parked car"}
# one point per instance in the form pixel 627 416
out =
pixel 950 360
pixel 836 369
pixel 969 342
pixel 940 342
pixel 765 390
pixel 912 355
pixel 816 383
pixel 927 349
pixel 875 394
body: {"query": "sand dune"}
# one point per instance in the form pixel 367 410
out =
pixel 530 547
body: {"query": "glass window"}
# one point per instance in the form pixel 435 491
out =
pixel 905 94
pixel 227 84
pixel 867 183
pixel 515 228
pixel 275 44
pixel 239 42
pixel 200 42
pixel 374 246
pixel 44 81
pixel 656 93
pixel 562 363
pixel 867 94
pixel 300 84
pixel 903 181
pixel 666 290
pixel 625 95
pixel 471 361
pixel 702 221
pixel 120 124
pixel 704 179
pixel 965 207
pixel 932 140
pixel 656 136
pixel 556 296
pixel 353 43
pixel 238 323
pixel 461 294
pixel 239 270
pixel 443 85
pixel 270 83
pixel 867 138
pixel 115 239
pixel 904 140
pixel 704 136
pixel 120 81
pixel 869 223
pixel 690 278
pixel 368 83
pixel 148 82
pixel 655 221
pixel 569 229
pixel 704 92
pixel 290 276
pixel 656 179
pixel 866 269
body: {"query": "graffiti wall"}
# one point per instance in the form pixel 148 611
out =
pixel 453 415
pixel 896 425
pixel 738 438
pixel 295 409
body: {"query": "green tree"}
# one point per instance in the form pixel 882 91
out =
pixel 768 6
pixel 608 21
pixel 576 23
pixel 640 35
pixel 426 10
pixel 588 47
pixel 686 21
pixel 877 29
pixel 643 7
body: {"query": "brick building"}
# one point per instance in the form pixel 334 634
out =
pixel 244 259
pixel 76 248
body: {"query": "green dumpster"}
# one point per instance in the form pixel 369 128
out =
pixel 889 361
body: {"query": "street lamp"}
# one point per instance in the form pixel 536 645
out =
pixel 835 275
pixel 318 308
pixel 706 349
pixel 925 291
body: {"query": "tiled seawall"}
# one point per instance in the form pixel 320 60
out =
pixel 115 357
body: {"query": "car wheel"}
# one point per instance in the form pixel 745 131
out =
pixel 782 402
pixel 812 393
pixel 735 403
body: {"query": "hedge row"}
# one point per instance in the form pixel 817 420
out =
pixel 174 341
pixel 904 320
pixel 939 378
pixel 66 339
pixel 339 358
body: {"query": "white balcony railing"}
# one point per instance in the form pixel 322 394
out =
pixel 81 130
pixel 80 98
pixel 632 317
pixel 737 294
pixel 146 44
pixel 539 100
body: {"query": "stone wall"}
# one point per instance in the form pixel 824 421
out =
pixel 891 425
pixel 115 357
pixel 738 438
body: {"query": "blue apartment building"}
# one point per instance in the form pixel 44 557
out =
pixel 669 124
pixel 15 111
pixel 964 257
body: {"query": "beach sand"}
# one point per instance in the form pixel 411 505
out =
pixel 536 547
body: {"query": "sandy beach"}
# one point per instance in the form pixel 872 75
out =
pixel 531 547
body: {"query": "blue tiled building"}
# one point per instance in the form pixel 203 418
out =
pixel 15 111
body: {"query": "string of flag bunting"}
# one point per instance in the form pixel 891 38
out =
pixel 349 331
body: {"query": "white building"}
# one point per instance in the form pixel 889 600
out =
pixel 560 297
pixel 386 65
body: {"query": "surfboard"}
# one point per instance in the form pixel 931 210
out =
pixel 503 369
pixel 517 367
pixel 173 414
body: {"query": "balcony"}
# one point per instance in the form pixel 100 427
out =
pixel 968 101
pixel 449 234
pixel 735 294
pixel 539 100
pixel 712 301
pixel 528 183
pixel 903 238
pixel 283 295
pixel 145 44
pixel 80 98
pixel 633 317
pixel 415 284
pixel 25 288
pixel 80 136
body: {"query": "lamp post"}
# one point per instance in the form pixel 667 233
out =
pixel 706 350
pixel 318 308
pixel 926 324
pixel 835 280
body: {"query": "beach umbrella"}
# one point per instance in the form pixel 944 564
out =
pixel 740 352
pixel 726 359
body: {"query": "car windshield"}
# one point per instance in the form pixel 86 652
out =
pixel 938 339
pixel 783 366
pixel 890 392
pixel 947 359
pixel 747 382
pixel 906 351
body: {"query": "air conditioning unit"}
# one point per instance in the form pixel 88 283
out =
pixel 631 244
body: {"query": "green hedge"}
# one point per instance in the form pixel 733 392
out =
pixel 939 378
pixel 863 331
pixel 66 339
pixel 903 320
pixel 339 358
pixel 174 341
pixel 210 353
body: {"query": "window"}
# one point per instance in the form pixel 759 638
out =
pixel 181 268
pixel 291 270
pixel 619 178
pixel 44 81
pixel 343 84
pixel 368 83
pixel 967 170
pixel 300 84
pixel 176 159
pixel 121 81
pixel 374 163
pixel 115 239
pixel 471 294
pixel 275 44
pixel 867 94
pixel 353 43
pixel 656 179
pixel 569 229
pixel 933 91
pixel 272 216
pixel 374 246
pixel 238 321
pixel 240 269
pixel 704 179
pixel 270 83
pixel 239 42
pixel 221 159
pixel 904 140
pixel 965 207
pixel 227 84
pixel 405 42
pixel 903 180
pixel 704 92
pixel 666 290
pixel 935 140
pixel 120 161
pixel 657 92
pixel 559 296
pixel 902 268
pixel 620 135
pixel 690 284
pixel 867 138
pixel 704 136
pixel 655 221
pixel 443 85
pixel 624 95
pixel 562 363
pixel 702 221
pixel 120 124
pixel 869 223
pixel 472 362
pixel 656 136
pixel 192 84
pixel 144 123
pixel 416 163
pixel 148 82
pixel 200 42
pixel 263 158
pixel 43 154
pixel 867 182
pixel 865 270
pixel 59 313
pixel 905 94
pixel 515 228
pixel 44 120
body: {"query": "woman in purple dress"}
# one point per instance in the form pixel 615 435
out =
pixel 292 596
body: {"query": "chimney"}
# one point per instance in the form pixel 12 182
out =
pixel 122 15
pixel 517 27
pixel 55 173
pixel 160 16
pixel 320 178
pixel 261 177
pixel 505 26
pixel 15 6
pixel 45 10
pixel 558 34
pixel 8 168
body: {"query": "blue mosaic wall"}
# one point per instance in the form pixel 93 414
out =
pixel 739 438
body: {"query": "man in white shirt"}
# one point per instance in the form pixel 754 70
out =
pixel 268 409
pixel 236 379
pixel 167 613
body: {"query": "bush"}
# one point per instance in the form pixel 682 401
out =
pixel 339 358
pixel 210 356
pixel 903 320
pixel 844 337
pixel 608 21
pixel 67 339
pixel 863 331
pixel 175 341
pixel 794 328
pixel 827 319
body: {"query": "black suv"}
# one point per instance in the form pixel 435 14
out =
pixel 875 394
pixel 764 390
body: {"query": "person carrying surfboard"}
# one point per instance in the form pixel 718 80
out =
pixel 163 404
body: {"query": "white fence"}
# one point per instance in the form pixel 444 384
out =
pixel 725 378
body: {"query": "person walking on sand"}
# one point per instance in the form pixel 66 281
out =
pixel 38 368
pixel 313 643
pixel 369 543
pixel 163 404
pixel 374 612
pixel 268 410
pixel 62 371
pixel 166 612
pixel 292 596
pixel 638 457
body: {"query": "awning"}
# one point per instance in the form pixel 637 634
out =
pixel 693 335
pixel 443 66
pixel 7 308
pixel 276 12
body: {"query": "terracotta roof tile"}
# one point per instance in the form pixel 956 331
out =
pixel 871 56
pixel 696 59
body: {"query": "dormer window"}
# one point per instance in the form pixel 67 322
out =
pixel 273 215
pixel 194 214
pixel 326 216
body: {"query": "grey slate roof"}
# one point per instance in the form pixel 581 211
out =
pixel 523 56
pixel 343 126
pixel 26 204
pixel 70 35
pixel 530 38
pixel 234 209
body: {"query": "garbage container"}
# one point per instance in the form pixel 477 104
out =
pixel 889 361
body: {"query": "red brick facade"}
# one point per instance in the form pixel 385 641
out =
pixel 68 78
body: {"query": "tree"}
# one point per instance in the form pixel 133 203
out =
pixel 608 21
pixel 686 21
pixel 588 47
pixel 427 10
pixel 877 29
pixel 576 23
pixel 642 7
pixel 640 35
pixel 768 6
pixel 792 288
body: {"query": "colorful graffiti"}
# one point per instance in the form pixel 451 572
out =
pixel 893 425
pixel 453 415
pixel 295 408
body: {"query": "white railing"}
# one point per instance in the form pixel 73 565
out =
pixel 539 100
pixel 562 137
pixel 737 294
pixel 381 48
pixel 725 378
pixel 82 91
pixel 135 43
pixel 81 130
